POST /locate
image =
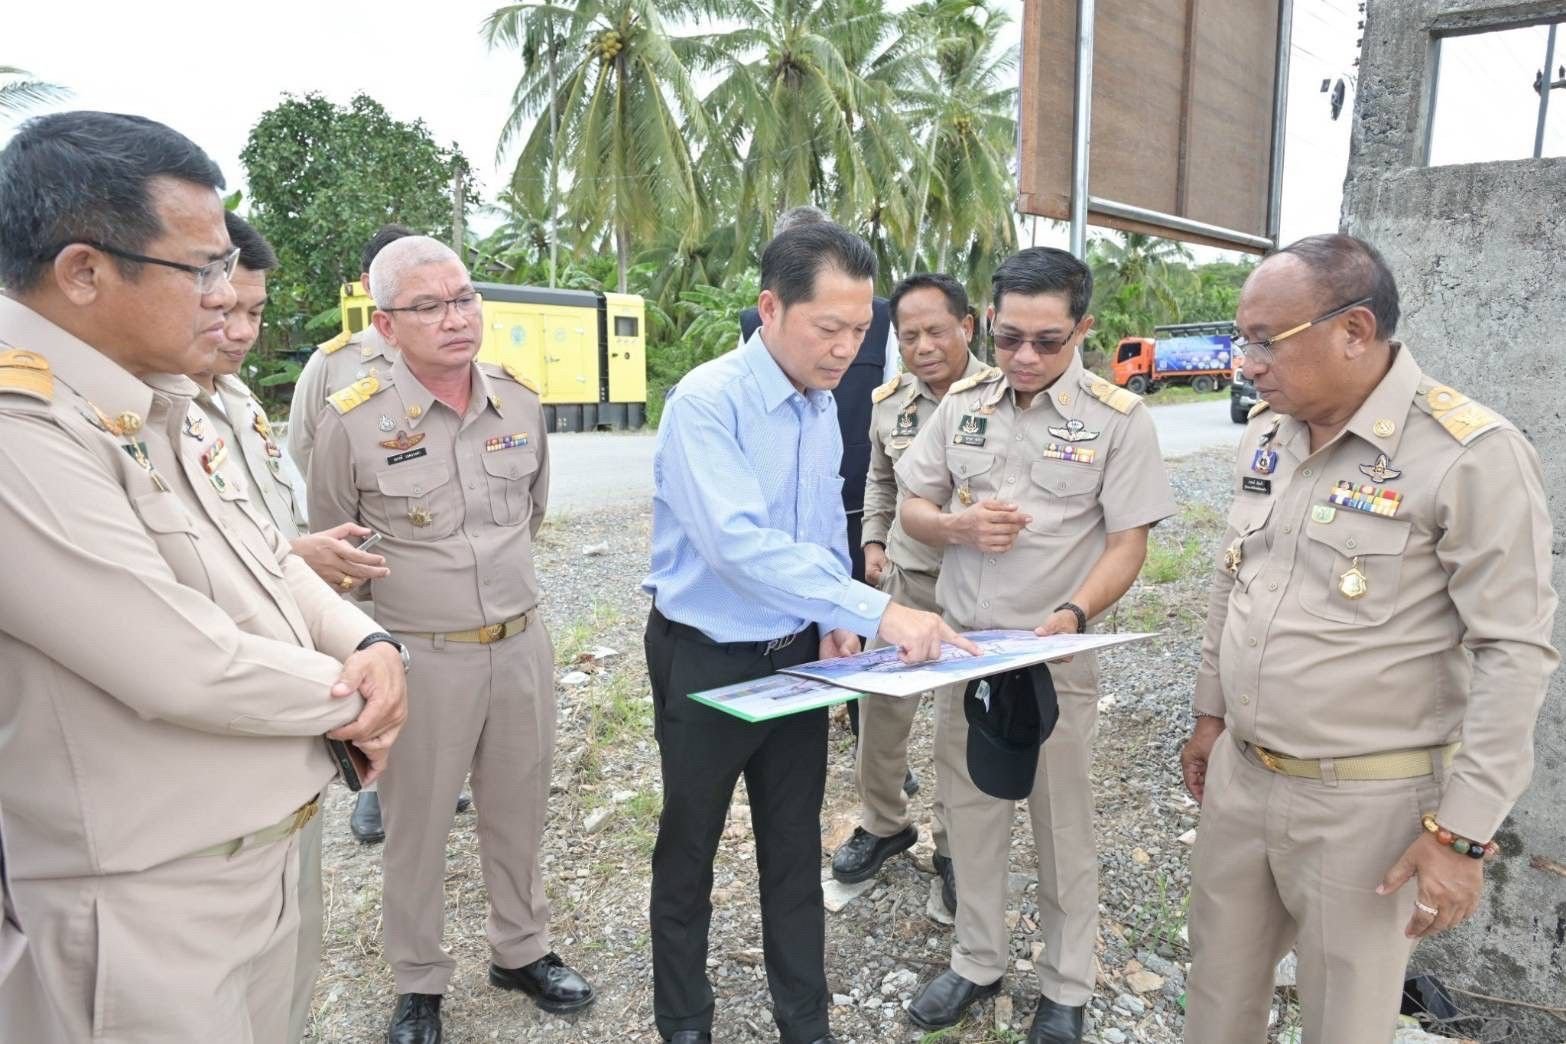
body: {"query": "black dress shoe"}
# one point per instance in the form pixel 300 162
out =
pixel 553 985
pixel 1056 1024
pixel 416 1020
pixel 828 1039
pixel 861 856
pixel 948 871
pixel 366 819
pixel 910 783
pixel 945 999
pixel 463 803
pixel 690 1037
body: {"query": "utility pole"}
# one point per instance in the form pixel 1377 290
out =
pixel 554 152
pixel 457 232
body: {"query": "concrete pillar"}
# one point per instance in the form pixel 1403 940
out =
pixel 1479 252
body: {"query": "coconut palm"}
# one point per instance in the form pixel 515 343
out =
pixel 19 90
pixel 621 85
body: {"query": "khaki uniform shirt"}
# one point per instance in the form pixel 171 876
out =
pixel 242 424
pixel 1337 629
pixel 163 691
pixel 12 941
pixel 1082 460
pixel 901 408
pixel 333 366
pixel 458 499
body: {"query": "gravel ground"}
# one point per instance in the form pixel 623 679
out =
pixel 883 944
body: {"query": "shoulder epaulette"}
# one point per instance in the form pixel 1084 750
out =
pixel 885 391
pixel 356 394
pixel 1117 399
pixel 336 343
pixel 1463 419
pixel 1257 410
pixel 973 380
pixel 26 373
pixel 514 371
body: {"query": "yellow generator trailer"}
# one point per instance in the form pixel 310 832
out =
pixel 586 350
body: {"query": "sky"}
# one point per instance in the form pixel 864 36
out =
pixel 210 68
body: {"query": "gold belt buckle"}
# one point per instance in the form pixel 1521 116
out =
pixel 305 813
pixel 1267 758
pixel 491 633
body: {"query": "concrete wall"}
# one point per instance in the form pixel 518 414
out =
pixel 1480 255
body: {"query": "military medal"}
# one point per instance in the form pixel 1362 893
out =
pixel 1233 557
pixel 964 494
pixel 213 459
pixel 403 441
pixel 1076 454
pixel 1381 470
pixel 421 516
pixel 1322 514
pixel 195 427
pixel 263 429
pixel 970 432
pixel 1366 498
pixel 907 425
pixel 386 423
pixel 1353 584
pixel 1074 431
pixel 125 426
pixel 1265 461
pixel 505 442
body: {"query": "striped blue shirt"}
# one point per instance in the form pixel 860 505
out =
pixel 749 538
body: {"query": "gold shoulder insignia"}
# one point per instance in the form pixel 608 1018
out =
pixel 336 343
pixel 1463 419
pixel 1257 410
pixel 1117 399
pixel 514 371
pixel 356 394
pixel 26 373
pixel 984 376
pixel 885 391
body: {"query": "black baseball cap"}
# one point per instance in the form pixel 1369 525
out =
pixel 1006 732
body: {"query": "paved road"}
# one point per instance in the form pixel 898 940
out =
pixel 593 470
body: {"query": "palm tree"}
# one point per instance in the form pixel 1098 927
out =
pixel 1145 271
pixel 964 113
pixel 620 84
pixel 807 108
pixel 20 90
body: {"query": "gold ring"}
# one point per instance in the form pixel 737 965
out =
pixel 346 582
pixel 1432 911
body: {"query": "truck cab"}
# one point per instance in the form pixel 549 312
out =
pixel 1197 354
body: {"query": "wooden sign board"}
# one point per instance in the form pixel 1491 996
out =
pixel 1183 110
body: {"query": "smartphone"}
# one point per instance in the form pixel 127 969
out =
pixel 369 542
pixel 352 765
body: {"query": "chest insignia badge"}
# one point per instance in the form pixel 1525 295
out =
pixel 386 423
pixel 1353 584
pixel 1381 470
pixel 421 516
pixel 1074 431
pixel 1233 557
pixel 403 441
pixel 195 427
pixel 1264 462
pixel 970 431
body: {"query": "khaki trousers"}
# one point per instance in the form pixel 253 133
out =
pixel 1061 810
pixel 1281 861
pixel 194 951
pixel 884 724
pixel 307 963
pixel 488 709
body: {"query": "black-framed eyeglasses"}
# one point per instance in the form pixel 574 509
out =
pixel 430 313
pixel 1004 342
pixel 1261 349
pixel 207 276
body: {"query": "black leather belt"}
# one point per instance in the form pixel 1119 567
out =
pixel 760 648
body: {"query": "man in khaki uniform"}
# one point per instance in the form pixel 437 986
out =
pixel 451 463
pixel 933 328
pixel 227 405
pixel 337 363
pixel 1041 480
pixel 333 366
pixel 1377 648
pixel 171 666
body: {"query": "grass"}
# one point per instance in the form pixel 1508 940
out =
pixel 1174 394
pixel 580 635
pixel 1168 561
pixel 1157 920
pixel 619 716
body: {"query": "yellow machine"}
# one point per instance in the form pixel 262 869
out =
pixel 586 351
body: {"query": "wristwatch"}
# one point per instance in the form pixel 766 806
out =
pixel 1075 610
pixel 382 636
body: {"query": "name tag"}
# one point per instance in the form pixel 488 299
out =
pixel 399 458
pixel 1251 484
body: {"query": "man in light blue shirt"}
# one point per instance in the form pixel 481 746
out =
pixel 750 574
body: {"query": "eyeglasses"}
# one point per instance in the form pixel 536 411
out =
pixel 208 276
pixel 1011 342
pixel 432 313
pixel 1261 350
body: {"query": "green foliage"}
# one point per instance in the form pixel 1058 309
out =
pixel 1140 282
pixel 19 91
pixel 322 179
